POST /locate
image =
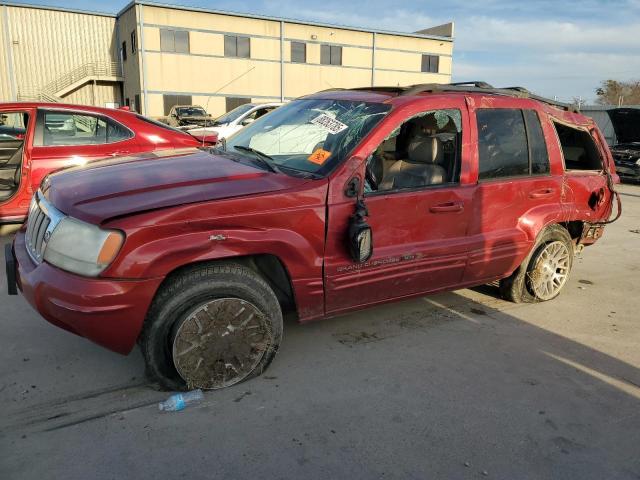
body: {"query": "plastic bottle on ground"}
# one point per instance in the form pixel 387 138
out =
pixel 180 401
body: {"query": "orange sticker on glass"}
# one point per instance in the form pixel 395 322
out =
pixel 319 156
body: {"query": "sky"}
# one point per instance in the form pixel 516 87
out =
pixel 559 48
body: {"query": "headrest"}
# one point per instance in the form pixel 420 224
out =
pixel 425 150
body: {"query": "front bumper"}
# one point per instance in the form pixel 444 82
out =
pixel 106 311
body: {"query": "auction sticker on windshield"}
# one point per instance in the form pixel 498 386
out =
pixel 328 123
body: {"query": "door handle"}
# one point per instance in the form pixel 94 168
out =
pixel 446 207
pixel 542 193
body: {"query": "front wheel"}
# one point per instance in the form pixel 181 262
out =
pixel 544 272
pixel 211 327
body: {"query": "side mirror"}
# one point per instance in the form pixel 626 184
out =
pixel 247 121
pixel 360 235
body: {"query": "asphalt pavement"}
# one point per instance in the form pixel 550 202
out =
pixel 458 385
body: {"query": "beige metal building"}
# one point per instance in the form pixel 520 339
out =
pixel 151 56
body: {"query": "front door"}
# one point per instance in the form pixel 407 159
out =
pixel 418 211
pixel 15 132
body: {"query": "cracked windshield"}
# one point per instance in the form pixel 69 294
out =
pixel 309 136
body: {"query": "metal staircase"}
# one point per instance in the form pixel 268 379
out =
pixel 55 91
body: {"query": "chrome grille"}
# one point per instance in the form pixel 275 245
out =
pixel 42 219
pixel 37 224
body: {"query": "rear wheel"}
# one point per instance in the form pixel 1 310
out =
pixel 211 327
pixel 544 272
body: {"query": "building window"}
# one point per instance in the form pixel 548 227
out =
pixel 124 51
pixel 235 102
pixel 298 52
pixel 137 106
pixel 430 63
pixel 134 42
pixel 235 46
pixel 330 55
pixel 176 41
pixel 171 101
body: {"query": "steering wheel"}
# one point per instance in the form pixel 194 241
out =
pixel 370 175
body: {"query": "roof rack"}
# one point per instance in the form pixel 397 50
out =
pixel 472 87
pixel 483 87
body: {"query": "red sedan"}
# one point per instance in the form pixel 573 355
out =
pixel 38 138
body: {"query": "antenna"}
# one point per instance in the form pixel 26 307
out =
pixel 223 86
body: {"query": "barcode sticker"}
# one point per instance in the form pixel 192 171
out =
pixel 328 123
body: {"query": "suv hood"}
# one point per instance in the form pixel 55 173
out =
pixel 626 123
pixel 110 188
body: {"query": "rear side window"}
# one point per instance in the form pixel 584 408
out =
pixel 62 128
pixel 578 148
pixel 537 146
pixel 502 143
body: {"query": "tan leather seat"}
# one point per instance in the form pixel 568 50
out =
pixel 422 168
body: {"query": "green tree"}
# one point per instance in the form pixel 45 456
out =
pixel 613 92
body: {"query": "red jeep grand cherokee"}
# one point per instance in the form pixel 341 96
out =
pixel 334 202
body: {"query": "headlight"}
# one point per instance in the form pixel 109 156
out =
pixel 82 248
pixel 638 162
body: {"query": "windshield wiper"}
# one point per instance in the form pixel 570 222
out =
pixel 263 157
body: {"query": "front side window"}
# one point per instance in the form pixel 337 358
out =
pixel 234 113
pixel 78 129
pixel 330 55
pixel 13 127
pixel 236 46
pixel 176 41
pixel 423 151
pixel 311 135
pixel 502 143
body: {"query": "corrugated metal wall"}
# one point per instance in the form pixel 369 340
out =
pixel 5 82
pixel 105 92
pixel 47 44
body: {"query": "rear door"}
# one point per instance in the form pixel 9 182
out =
pixel 64 138
pixel 584 155
pixel 515 185
pixel 419 219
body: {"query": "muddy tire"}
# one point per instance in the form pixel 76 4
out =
pixel 211 327
pixel 544 272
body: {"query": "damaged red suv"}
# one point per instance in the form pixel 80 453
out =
pixel 334 202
